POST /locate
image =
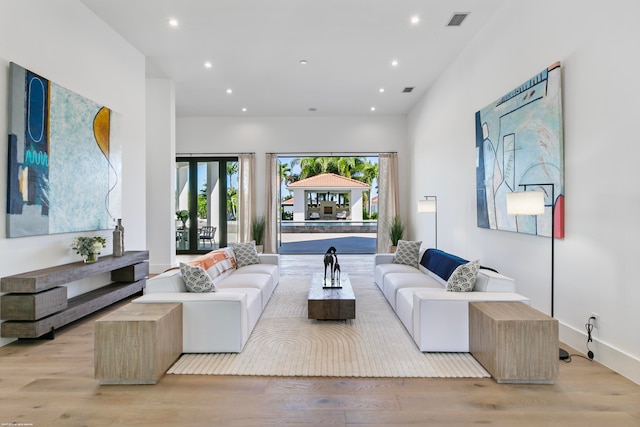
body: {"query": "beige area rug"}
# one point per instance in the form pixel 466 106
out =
pixel 286 343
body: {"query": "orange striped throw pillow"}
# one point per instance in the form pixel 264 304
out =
pixel 218 264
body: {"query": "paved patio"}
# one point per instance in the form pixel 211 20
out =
pixel 318 243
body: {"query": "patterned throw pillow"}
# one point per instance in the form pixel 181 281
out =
pixel 464 277
pixel 245 253
pixel 196 279
pixel 218 264
pixel 407 253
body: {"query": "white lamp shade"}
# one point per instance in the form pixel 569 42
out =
pixel 525 203
pixel 427 206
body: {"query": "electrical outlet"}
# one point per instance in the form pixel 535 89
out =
pixel 594 320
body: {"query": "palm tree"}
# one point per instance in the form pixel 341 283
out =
pixel 312 166
pixel 346 165
pixel 202 202
pixel 232 203
pixel 232 169
pixel 285 172
pixel 285 176
pixel 349 167
pixel 369 174
pixel 232 193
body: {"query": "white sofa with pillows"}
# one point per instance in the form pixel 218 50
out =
pixel 430 291
pixel 223 294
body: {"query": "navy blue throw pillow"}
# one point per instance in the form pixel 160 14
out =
pixel 441 263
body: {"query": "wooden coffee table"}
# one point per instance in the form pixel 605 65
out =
pixel 331 304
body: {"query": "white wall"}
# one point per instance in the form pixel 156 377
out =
pixel 64 42
pixel 597 44
pixel 294 135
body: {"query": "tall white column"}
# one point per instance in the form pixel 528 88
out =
pixel 356 205
pixel 161 174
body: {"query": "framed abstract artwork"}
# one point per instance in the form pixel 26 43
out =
pixel 519 147
pixel 64 159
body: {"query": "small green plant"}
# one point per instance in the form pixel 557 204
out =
pixel 258 226
pixel 183 216
pixel 396 230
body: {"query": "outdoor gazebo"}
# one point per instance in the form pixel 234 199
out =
pixel 327 197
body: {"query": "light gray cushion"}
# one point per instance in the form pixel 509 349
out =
pixel 246 253
pixel 196 279
pixel 407 253
pixel 464 277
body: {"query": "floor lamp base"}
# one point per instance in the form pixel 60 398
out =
pixel 564 354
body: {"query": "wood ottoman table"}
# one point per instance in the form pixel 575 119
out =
pixel 137 343
pixel 331 304
pixel 514 342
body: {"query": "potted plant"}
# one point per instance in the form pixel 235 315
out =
pixel 183 216
pixel 396 231
pixel 89 247
pixel 257 232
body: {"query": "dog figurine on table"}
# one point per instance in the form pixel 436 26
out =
pixel 331 261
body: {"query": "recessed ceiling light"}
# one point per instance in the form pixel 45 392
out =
pixel 381 90
pixel 394 63
pixel 303 62
pixel 373 108
pixel 244 110
pixel 229 91
pixel 208 64
pixel 173 22
pixel 415 20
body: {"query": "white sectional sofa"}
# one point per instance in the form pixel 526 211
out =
pixel 437 320
pixel 220 321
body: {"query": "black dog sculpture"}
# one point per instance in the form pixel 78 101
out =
pixel 331 261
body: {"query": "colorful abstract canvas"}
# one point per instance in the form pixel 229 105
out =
pixel 64 159
pixel 519 147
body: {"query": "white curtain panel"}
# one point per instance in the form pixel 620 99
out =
pixel 246 195
pixel 388 199
pixel 272 184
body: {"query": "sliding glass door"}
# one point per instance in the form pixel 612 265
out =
pixel 206 203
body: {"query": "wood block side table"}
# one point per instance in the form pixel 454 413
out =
pixel 514 342
pixel 137 343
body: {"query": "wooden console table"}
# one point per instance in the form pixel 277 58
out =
pixel 36 303
pixel 137 343
pixel 514 342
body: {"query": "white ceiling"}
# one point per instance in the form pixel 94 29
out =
pixel 255 47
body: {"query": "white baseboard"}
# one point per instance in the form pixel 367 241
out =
pixel 605 354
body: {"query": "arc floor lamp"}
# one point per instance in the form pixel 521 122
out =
pixel 430 205
pixel 532 203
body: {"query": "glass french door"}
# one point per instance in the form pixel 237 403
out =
pixel 206 203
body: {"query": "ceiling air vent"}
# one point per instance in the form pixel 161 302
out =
pixel 457 18
pixel 408 89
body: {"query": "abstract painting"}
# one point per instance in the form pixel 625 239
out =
pixel 64 159
pixel 519 147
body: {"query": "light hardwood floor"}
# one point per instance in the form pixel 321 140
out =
pixel 50 383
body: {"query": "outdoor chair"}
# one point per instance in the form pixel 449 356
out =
pixel 207 233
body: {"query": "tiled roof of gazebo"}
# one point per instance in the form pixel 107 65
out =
pixel 328 180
